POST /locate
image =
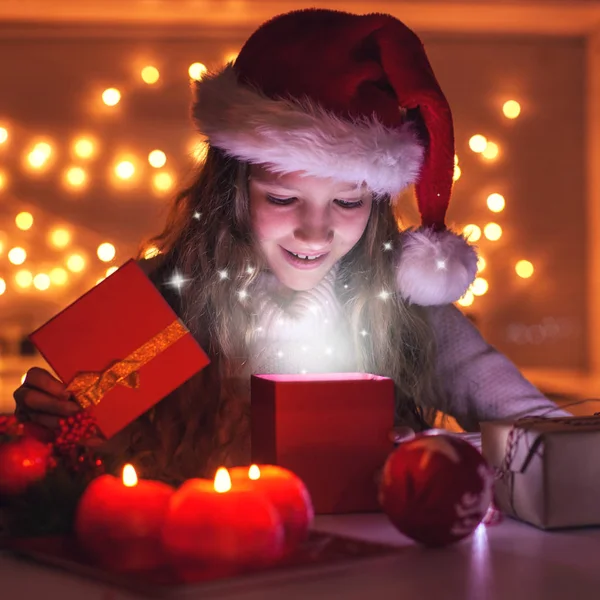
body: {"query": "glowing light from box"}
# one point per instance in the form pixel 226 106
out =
pixel 254 472
pixel 3 135
pixel 75 177
pixel 197 70
pixel 111 270
pixel 477 143
pixel 84 147
pixel 151 252
pixel 496 202
pixel 162 182
pixel 150 75
pixel 125 169
pixel 222 481
pixel 24 221
pixel 58 276
pixel 60 237
pixel 41 281
pixel 457 173
pixel 106 252
pixel 111 96
pixel 157 159
pixel 23 278
pixel 480 286
pixel 129 476
pixel 492 232
pixel 481 264
pixel 467 299
pixel 491 152
pixel 524 269
pixel 511 109
pixel 17 255
pixel 472 232
pixel 2 287
pixel 75 263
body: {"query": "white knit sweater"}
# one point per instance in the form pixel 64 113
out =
pixel 308 332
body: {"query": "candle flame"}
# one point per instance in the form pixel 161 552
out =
pixel 222 481
pixel 254 472
pixel 129 476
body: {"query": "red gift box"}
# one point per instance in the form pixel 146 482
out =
pixel 120 348
pixel 332 430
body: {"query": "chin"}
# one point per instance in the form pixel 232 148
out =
pixel 300 282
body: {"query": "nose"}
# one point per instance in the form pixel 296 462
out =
pixel 314 230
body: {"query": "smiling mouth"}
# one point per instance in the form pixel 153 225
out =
pixel 305 256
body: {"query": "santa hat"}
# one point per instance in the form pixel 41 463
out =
pixel 353 98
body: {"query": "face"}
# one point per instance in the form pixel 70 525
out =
pixel 303 224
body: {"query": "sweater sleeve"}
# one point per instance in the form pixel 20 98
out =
pixel 480 383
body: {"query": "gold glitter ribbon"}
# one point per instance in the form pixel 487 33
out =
pixel 89 387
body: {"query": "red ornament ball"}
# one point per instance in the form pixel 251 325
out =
pixel 22 462
pixel 436 488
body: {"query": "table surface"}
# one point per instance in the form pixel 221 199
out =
pixel 510 560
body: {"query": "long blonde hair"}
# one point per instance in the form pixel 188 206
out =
pixel 209 231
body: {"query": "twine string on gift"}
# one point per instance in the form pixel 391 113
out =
pixel 89 387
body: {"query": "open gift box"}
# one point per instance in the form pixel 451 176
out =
pixel 332 430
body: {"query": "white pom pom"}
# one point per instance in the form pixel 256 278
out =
pixel 435 267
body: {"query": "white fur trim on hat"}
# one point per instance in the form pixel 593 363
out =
pixel 298 135
pixel 435 267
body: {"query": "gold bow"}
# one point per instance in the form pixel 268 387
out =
pixel 89 387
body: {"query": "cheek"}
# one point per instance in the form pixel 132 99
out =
pixel 266 224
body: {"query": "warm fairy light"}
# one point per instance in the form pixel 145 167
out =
pixel 151 252
pixel 2 290
pixel 58 276
pixel 157 159
pixel 231 57
pixel 75 177
pixel 222 481
pixel 457 173
pixel 111 270
pixel 480 286
pixel 60 237
pixel 150 75
pixel 41 281
pixel 162 182
pixel 39 155
pixel 111 96
pixel 496 202
pixel 17 255
pixel 491 151
pixel 125 169
pixel 84 147
pixel 3 180
pixel 100 280
pixel 472 232
pixel 492 232
pixel 467 299
pixel 23 278
pixel 524 269
pixel 197 71
pixel 24 221
pixel 3 135
pixel 106 252
pixel 477 143
pixel 129 476
pixel 254 472
pixel 480 264
pixel 76 263
pixel 511 109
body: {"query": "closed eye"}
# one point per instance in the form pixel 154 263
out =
pixel 279 201
pixel 348 204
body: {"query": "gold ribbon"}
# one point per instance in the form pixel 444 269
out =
pixel 89 387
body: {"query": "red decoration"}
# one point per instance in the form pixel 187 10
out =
pixel 285 492
pixel 211 524
pixel 118 522
pixel 436 488
pixel 23 461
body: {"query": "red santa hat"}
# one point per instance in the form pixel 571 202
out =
pixel 354 98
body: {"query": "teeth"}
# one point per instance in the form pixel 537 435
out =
pixel 306 257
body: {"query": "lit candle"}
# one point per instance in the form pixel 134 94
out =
pixel 119 521
pixel 286 492
pixel 211 524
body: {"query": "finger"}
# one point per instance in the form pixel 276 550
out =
pixel 38 401
pixel 45 381
pixel 47 421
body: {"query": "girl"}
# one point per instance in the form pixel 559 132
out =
pixel 284 255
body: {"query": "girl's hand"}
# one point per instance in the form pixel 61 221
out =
pixel 43 399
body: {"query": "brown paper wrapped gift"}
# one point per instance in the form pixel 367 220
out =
pixel 548 469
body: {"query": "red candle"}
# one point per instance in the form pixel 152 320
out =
pixel 119 521
pixel 211 524
pixel 286 492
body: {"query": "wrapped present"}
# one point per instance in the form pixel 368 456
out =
pixel 548 471
pixel 332 430
pixel 120 348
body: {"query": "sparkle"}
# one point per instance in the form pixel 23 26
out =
pixel 177 280
pixel 345 286
pixel 326 321
pixel 197 215
pixel 258 329
pixel 384 295
pixel 440 264
pixel 328 351
pixel 304 348
pixel 250 270
pixel 223 274
pixel 242 294
pixel 387 246
pixel 304 371
pixel 364 333
pixel 279 353
pixel 313 309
